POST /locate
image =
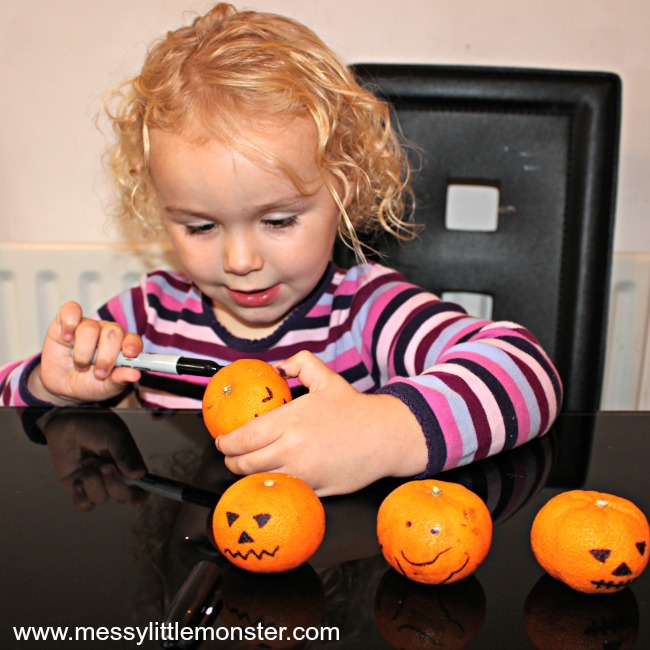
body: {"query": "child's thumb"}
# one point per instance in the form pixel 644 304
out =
pixel 312 373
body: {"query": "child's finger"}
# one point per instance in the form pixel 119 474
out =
pixel 125 453
pixel 308 369
pixel 111 337
pixel 80 499
pixel 131 345
pixel 94 487
pixel 252 463
pixel 67 320
pixel 251 437
pixel 86 338
pixel 116 488
pixel 119 378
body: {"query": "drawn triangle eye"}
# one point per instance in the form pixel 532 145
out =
pixel 600 554
pixel 262 520
pixel 232 517
pixel 641 547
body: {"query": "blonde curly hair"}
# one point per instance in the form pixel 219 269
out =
pixel 208 80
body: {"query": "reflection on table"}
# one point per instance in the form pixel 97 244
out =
pixel 152 558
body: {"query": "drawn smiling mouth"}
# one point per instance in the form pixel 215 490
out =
pixel 428 563
pixel 433 561
pixel 245 556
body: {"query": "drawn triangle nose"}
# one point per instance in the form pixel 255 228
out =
pixel 622 570
pixel 245 538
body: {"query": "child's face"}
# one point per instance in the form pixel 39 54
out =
pixel 247 236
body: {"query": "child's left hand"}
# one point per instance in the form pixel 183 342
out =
pixel 335 438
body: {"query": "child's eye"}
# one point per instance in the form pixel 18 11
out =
pixel 199 229
pixel 281 222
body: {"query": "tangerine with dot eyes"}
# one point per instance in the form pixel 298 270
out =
pixel 241 391
pixel 268 522
pixel 434 532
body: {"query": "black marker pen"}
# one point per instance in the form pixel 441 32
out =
pixel 174 490
pixel 170 364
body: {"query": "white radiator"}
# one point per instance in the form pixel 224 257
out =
pixel 35 280
pixel 626 384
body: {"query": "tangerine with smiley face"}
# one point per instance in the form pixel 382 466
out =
pixel 434 532
pixel 268 522
pixel 241 391
pixel 594 542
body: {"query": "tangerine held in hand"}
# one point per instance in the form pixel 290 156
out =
pixel 241 391
pixel 434 532
pixel 268 522
pixel 594 542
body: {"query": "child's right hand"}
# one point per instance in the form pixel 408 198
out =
pixel 66 374
pixel 91 455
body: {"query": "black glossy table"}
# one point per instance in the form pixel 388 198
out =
pixel 148 564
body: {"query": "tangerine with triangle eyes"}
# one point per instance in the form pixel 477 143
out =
pixel 594 542
pixel 268 522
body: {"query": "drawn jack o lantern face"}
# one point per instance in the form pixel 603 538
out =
pixel 592 541
pixel 268 522
pixel 245 543
pixel 618 571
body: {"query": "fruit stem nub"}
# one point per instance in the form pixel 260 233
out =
pixel 601 503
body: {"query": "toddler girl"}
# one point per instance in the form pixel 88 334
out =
pixel 252 146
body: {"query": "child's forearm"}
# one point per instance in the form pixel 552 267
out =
pixel 495 391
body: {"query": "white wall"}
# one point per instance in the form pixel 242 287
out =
pixel 57 57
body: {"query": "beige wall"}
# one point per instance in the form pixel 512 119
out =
pixel 59 56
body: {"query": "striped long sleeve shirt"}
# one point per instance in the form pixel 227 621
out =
pixel 476 387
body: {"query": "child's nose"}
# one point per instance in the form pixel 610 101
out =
pixel 241 255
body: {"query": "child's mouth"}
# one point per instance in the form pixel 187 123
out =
pixel 259 298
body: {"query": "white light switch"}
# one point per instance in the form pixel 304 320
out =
pixel 476 304
pixel 472 207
